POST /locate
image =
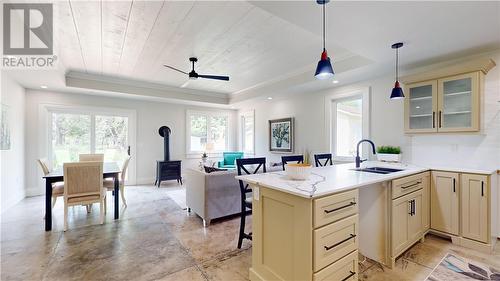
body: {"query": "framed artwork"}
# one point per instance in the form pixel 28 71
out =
pixel 281 135
pixel 4 127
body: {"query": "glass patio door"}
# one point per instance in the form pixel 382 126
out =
pixel 74 133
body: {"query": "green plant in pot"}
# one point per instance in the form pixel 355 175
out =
pixel 387 153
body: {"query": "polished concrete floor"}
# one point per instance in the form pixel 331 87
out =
pixel 155 239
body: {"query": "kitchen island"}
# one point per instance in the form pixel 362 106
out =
pixel 313 229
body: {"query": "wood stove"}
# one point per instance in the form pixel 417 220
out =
pixel 167 169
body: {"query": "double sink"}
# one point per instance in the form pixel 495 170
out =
pixel 378 170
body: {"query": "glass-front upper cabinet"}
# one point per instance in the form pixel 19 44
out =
pixel 449 104
pixel 459 103
pixel 421 107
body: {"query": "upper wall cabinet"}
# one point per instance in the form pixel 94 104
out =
pixel 445 103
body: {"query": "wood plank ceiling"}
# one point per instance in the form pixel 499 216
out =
pixel 133 39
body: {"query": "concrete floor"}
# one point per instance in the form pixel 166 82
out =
pixel 155 239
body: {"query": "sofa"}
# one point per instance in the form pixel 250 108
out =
pixel 229 159
pixel 214 195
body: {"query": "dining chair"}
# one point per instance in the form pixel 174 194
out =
pixel 326 158
pixel 243 165
pixel 57 187
pixel 299 159
pixel 91 157
pixel 109 183
pixel 83 186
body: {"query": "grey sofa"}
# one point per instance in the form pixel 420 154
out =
pixel 214 195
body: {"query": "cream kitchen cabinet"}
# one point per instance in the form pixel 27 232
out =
pixel 408 212
pixel 446 99
pixel 449 104
pixel 407 221
pixel 475 207
pixel 445 199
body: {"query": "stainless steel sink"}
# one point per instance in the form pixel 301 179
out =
pixel 378 170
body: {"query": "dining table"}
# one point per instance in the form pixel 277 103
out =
pixel 110 170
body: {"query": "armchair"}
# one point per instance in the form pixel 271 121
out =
pixel 229 159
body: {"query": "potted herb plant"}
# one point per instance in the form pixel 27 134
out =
pixel 387 153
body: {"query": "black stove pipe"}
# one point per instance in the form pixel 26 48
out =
pixel 164 131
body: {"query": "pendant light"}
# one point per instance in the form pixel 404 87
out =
pixel 324 69
pixel 397 92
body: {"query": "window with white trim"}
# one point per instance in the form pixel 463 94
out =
pixel 247 132
pixel 207 131
pixel 347 114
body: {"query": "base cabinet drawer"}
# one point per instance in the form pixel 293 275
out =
pixel 343 270
pixel 334 241
pixel 408 184
pixel 335 207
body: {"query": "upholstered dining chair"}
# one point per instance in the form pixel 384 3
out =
pixel 243 166
pixel 109 183
pixel 323 159
pixel 83 186
pixel 91 157
pixel 57 187
pixel 299 159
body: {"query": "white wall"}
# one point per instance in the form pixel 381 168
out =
pixel 481 151
pixel 311 118
pixel 12 176
pixel 149 145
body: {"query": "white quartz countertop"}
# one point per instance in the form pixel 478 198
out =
pixel 337 178
pixel 330 179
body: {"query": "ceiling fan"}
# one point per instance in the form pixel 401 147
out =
pixel 194 75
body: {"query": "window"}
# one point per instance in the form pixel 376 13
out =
pixel 70 137
pixel 347 126
pixel 207 128
pixel 247 132
pixel 72 134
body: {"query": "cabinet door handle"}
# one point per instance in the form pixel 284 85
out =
pixel 414 207
pixel 328 248
pixel 351 274
pixel 411 185
pixel 433 119
pixel 482 188
pixel 411 208
pixel 454 189
pixel 340 208
pixel 439 117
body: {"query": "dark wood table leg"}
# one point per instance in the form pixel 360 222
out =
pixel 48 205
pixel 117 190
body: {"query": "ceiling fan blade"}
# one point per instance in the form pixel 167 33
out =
pixel 216 77
pixel 173 68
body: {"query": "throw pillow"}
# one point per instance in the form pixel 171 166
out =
pixel 212 169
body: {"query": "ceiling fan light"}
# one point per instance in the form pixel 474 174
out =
pixel 397 92
pixel 324 70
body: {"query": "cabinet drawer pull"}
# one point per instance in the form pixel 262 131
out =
pixel 328 248
pixel 340 208
pixel 351 274
pixel 411 185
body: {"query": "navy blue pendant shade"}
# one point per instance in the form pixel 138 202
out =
pixel 397 92
pixel 324 70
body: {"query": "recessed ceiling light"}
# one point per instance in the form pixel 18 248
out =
pixel 417 107
pixel 335 81
pixel 269 98
pixel 43 87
